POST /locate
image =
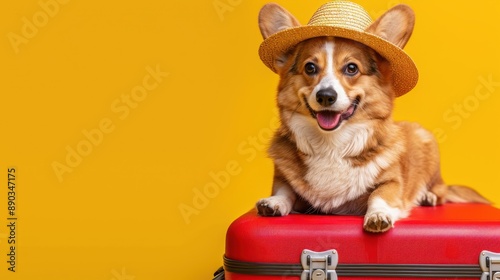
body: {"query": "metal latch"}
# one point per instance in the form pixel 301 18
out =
pixel 490 265
pixel 319 265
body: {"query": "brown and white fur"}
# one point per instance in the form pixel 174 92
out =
pixel 338 151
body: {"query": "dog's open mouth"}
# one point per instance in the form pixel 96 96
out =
pixel 330 120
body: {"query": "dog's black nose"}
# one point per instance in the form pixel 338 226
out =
pixel 326 96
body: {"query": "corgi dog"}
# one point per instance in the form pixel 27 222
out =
pixel 338 150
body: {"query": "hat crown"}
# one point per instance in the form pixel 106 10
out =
pixel 343 14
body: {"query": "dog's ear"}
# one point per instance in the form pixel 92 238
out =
pixel 395 25
pixel 274 18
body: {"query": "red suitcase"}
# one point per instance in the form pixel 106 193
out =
pixel 453 241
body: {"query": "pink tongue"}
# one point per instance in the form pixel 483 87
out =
pixel 328 120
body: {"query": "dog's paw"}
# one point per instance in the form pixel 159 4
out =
pixel 273 206
pixel 378 222
pixel 428 199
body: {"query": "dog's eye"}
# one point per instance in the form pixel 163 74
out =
pixel 351 69
pixel 310 69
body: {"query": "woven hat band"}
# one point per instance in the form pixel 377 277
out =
pixel 341 14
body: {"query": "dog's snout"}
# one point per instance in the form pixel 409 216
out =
pixel 326 97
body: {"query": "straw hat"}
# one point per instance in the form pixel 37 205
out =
pixel 347 20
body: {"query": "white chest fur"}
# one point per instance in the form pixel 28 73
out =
pixel 332 178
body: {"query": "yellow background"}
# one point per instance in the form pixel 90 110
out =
pixel 117 214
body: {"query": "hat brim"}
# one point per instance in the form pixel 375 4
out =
pixel 404 71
